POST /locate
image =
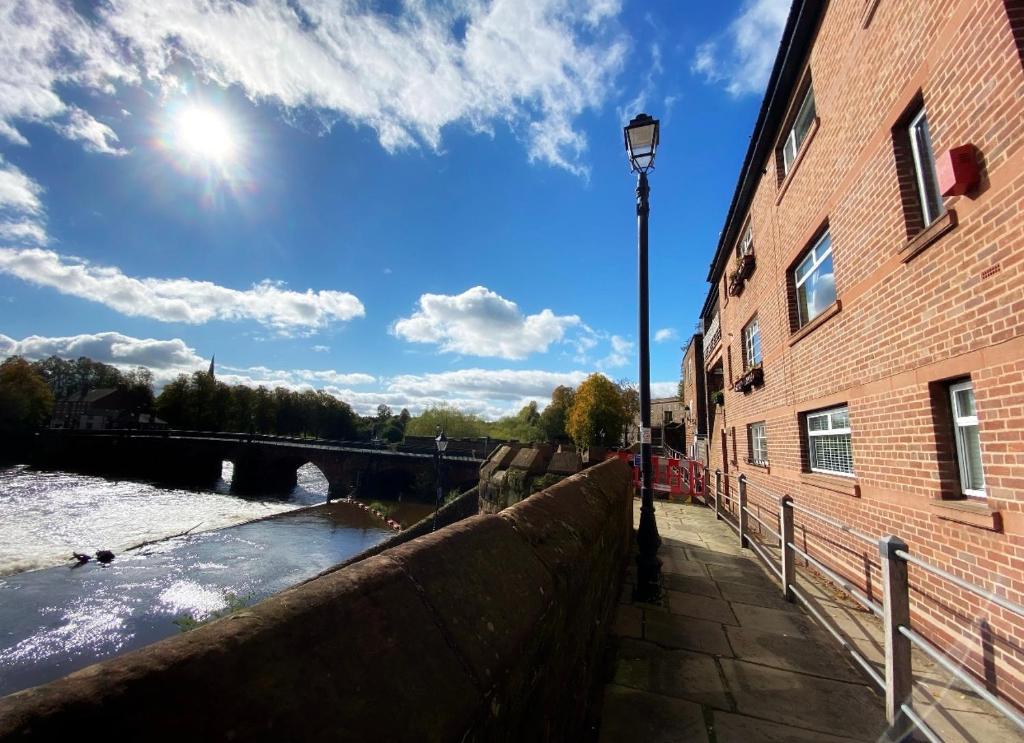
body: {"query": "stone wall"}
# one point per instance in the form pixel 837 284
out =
pixel 488 630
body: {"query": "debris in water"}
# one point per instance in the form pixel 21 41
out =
pixel 105 556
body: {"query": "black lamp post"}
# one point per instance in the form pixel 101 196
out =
pixel 641 135
pixel 441 442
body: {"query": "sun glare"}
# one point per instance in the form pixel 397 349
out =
pixel 205 133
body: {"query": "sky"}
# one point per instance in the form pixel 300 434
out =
pixel 402 202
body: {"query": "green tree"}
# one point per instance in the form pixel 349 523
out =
pixel 598 413
pixel 556 414
pixel 454 422
pixel 631 404
pixel 25 399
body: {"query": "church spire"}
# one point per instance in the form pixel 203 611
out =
pixel 212 360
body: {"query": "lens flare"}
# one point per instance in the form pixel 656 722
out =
pixel 205 133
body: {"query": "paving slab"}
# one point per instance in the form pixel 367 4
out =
pixel 732 728
pixel 788 621
pixel 791 652
pixel 700 607
pixel 804 701
pixel 675 673
pixel 690 584
pixel 673 631
pixel 769 596
pixel 631 714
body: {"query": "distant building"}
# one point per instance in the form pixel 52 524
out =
pixel 667 424
pixel 99 410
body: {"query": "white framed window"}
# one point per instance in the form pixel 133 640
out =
pixel 828 441
pixel 757 440
pixel 805 116
pixel 815 281
pixel 746 244
pixel 968 442
pixel 751 343
pixel 924 168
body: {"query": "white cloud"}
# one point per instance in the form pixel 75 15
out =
pixel 741 57
pixel 620 354
pixel 181 300
pixel 21 210
pixel 664 389
pixel 480 322
pixel 98 137
pixel 165 357
pixel 665 334
pixel 321 349
pixel 534 65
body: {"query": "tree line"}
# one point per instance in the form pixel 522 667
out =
pixel 598 411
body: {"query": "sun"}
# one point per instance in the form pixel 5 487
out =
pixel 205 133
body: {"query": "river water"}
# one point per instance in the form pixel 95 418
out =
pixel 57 619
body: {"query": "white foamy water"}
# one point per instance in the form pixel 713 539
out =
pixel 45 516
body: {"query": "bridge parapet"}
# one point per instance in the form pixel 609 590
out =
pixel 442 638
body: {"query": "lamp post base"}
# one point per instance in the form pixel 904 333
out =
pixel 648 564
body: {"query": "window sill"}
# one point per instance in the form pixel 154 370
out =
pixel 784 185
pixel 829 312
pixel 835 483
pixel 869 12
pixel 976 513
pixel 760 465
pixel 927 236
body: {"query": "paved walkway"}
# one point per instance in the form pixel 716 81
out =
pixel 725 658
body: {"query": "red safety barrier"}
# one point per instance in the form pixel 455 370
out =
pixel 673 478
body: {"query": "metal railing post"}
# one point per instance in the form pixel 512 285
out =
pixel 718 494
pixel 788 554
pixel 744 542
pixel 899 676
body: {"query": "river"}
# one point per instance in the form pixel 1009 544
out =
pixel 55 618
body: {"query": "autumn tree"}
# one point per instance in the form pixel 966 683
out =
pixel 25 399
pixel 598 413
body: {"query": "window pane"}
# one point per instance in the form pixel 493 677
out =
pixel 804 119
pixel 972 458
pixel 924 164
pixel 832 452
pixel 817 423
pixel 841 419
pixel 817 292
pixel 965 403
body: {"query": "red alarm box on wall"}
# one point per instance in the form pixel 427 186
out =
pixel 957 170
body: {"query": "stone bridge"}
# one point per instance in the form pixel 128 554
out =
pixel 262 464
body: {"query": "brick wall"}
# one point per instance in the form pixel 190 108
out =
pixel 907 322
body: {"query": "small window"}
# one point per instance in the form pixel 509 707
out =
pixel 924 168
pixel 757 441
pixel 751 344
pixel 746 244
pixel 828 442
pixel 814 281
pixel 805 116
pixel 968 442
pixel 667 415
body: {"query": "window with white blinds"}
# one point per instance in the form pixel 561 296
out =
pixel 828 440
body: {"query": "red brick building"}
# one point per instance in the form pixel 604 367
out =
pixel 864 330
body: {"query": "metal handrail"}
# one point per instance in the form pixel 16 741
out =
pixel 862 598
pixel 758 550
pixel 915 718
pixel 939 657
pixel 765 526
pixel 837 524
pixel 966 585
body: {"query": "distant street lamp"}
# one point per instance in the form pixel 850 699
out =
pixel 441 442
pixel 641 135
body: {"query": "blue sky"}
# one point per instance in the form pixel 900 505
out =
pixel 399 202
